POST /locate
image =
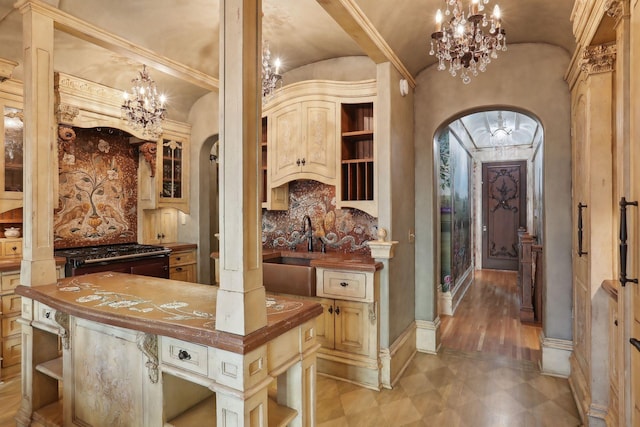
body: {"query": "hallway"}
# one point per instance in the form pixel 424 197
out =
pixel 486 374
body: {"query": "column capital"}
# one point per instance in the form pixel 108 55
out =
pixel 598 59
pixel 614 9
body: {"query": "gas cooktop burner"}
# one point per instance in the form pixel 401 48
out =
pixel 93 254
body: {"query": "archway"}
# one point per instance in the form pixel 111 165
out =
pixel 208 195
pixel 465 143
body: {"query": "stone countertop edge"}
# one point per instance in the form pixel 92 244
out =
pixel 332 260
pixel 277 324
pixel 180 246
pixel 13 264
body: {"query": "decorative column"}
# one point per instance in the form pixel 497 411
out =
pixel 382 251
pixel 40 174
pixel 241 299
pixel 40 160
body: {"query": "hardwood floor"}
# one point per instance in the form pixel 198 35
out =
pixel 488 320
pixel 9 401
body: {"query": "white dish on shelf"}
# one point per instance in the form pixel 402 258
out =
pixel 12 232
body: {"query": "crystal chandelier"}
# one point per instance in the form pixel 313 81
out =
pixel 143 108
pixel 271 79
pixel 463 41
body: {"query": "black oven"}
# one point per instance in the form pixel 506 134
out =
pixel 133 258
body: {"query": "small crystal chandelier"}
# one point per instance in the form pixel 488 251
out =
pixel 271 79
pixel 501 132
pixel 143 108
pixel 463 40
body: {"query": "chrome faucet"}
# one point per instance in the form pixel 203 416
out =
pixel 308 231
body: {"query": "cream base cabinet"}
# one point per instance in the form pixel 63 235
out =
pixel 349 328
pixel 303 142
pixel 346 326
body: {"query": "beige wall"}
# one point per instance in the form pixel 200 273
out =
pixel 528 77
pixel 395 162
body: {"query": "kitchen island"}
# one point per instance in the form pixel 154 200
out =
pixel 138 350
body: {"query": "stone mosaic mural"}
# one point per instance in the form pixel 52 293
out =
pixel 98 188
pixel 342 230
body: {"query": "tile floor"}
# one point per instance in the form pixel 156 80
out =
pixel 453 389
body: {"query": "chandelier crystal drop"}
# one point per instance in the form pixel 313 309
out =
pixel 143 108
pixel 466 39
pixel 271 78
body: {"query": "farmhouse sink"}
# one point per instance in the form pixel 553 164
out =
pixel 289 275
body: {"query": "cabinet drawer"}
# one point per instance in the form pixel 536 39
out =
pixel 184 355
pixel 10 281
pixel 342 284
pixel 10 326
pixel 11 304
pixel 44 314
pixel 11 351
pixel 12 248
pixel 184 273
pixel 180 258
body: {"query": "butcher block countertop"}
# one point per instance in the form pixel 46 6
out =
pixel 331 260
pixel 171 308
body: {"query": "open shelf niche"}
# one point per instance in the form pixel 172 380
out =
pixel 357 151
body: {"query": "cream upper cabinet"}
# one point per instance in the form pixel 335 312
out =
pixel 303 142
pixel 173 170
pixel 11 129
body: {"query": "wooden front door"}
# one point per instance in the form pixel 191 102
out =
pixel 504 202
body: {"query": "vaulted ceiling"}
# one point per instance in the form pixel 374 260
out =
pixel 299 31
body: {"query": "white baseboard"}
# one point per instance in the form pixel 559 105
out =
pixel 555 356
pixel 445 303
pixel 428 336
pixel 396 358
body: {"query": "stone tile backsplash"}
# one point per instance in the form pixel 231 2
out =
pixel 343 230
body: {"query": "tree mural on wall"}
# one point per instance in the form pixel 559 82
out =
pixel 98 188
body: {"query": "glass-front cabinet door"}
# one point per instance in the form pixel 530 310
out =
pixel 12 162
pixel 174 173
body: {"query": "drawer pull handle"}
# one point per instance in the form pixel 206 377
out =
pixel 47 314
pixel 635 342
pixel 344 284
pixel 178 268
pixel 178 258
pixel 330 309
pixel 337 310
pixel 184 355
pixel 15 248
